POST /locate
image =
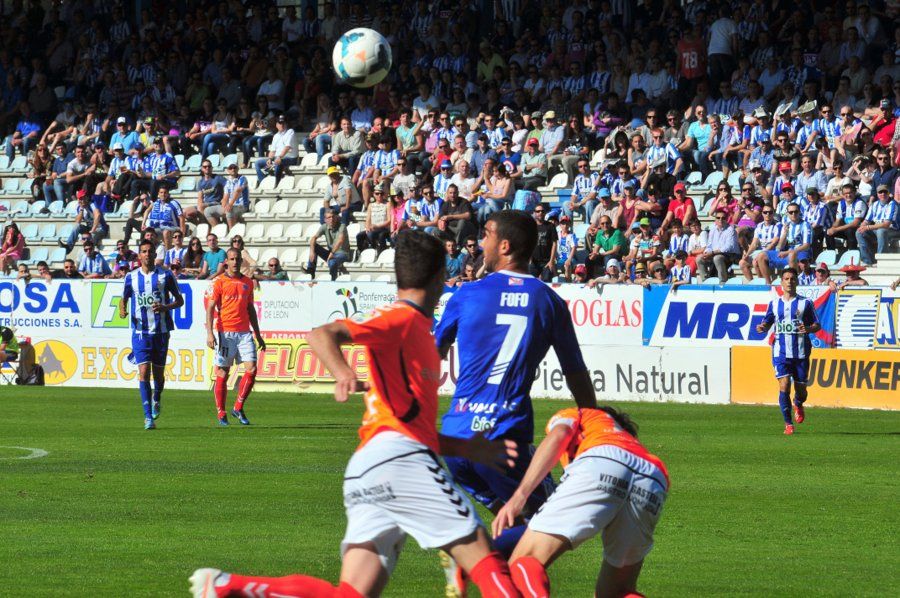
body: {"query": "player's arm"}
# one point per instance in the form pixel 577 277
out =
pixel 177 299
pixel 565 344
pixel 445 332
pixel 211 308
pixel 809 324
pixel 545 459
pixel 254 324
pixel 495 454
pixel 123 302
pixel 768 320
pixel 326 341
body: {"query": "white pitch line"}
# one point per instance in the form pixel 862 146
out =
pixel 33 453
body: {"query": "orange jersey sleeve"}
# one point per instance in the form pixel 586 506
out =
pixel 595 427
pixel 234 298
pixel 404 373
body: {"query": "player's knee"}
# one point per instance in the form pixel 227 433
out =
pixel 250 369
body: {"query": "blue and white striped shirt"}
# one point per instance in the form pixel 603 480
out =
pixel 440 184
pixel 817 215
pixel 175 254
pixel 831 129
pixel 806 280
pixel 786 316
pixel 668 150
pixel 165 214
pixel 766 233
pixel 584 185
pixel 681 273
pixel 231 184
pixel 143 290
pixel 385 161
pixel 599 80
pixel 679 243
pixel 850 211
pixel 94 265
pixel 883 212
pixel 798 233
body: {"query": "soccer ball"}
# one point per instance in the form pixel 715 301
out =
pixel 361 57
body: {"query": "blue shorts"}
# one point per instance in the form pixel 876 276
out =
pixel 492 488
pixel 777 261
pixel 795 368
pixel 149 348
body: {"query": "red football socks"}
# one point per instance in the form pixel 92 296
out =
pixel 220 392
pixel 299 586
pixel 530 577
pixel 491 575
pixel 244 389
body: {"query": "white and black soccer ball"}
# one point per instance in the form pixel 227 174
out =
pixel 361 57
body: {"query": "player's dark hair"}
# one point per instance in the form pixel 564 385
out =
pixel 418 259
pixel 791 270
pixel 519 229
pixel 146 242
pixel 622 419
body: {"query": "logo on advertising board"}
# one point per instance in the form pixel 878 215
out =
pixel 58 359
pixel 710 316
pixel 105 297
pixel 889 320
pixel 337 302
pixel 39 305
pixel 857 318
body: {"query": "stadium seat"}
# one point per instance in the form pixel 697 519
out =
pixel 343 278
pixel 580 230
pixel 179 161
pixel 187 184
pixel 353 230
pixel 300 208
pixel 201 232
pixel 56 208
pixel 36 210
pixel 383 278
pixel 713 180
pixel 302 277
pixel 558 181
pixel 4 206
pixel 303 183
pixel 254 232
pixel 236 230
pixel 19 164
pixel 364 278
pixel 322 184
pixel 220 230
pixel 758 280
pixel 829 256
pixel 693 178
pixel 735 280
pixel 386 258
pixel 39 254
pixel 289 256
pixel 4 162
pixel 267 186
pixel 281 208
pixel 712 280
pixel 253 252
pixel 10 186
pixel 30 231
pixel 294 232
pixel 229 160
pixel 308 162
pixel 20 208
pixel 260 210
pixel 71 208
pixel 64 231
pixel 47 232
pixel 367 256
pixel 56 256
pixel 267 254
pixel 274 233
pixel 311 230
pixel 192 164
pixel 285 185
pixel 850 256
pixel 734 179
pixel 215 160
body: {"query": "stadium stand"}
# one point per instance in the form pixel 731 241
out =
pixel 566 100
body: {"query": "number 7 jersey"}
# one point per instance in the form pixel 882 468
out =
pixel 503 326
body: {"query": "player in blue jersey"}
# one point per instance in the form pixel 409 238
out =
pixel 503 326
pixel 794 319
pixel 152 294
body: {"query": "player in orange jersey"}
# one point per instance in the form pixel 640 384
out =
pixel 232 298
pixel 612 485
pixel 394 485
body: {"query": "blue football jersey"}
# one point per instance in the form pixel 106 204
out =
pixel 503 326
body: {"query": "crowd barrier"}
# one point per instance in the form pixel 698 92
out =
pixel 653 344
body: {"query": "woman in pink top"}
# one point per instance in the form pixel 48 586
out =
pixel 11 248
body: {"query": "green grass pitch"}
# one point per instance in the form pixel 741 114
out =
pixel 113 510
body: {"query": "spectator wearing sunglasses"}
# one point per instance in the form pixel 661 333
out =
pixel 273 271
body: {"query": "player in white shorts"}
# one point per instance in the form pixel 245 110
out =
pixel 612 486
pixel 394 485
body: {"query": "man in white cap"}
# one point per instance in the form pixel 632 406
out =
pixel 613 275
pixel 123 134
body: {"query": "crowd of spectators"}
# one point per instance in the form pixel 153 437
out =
pixel 485 103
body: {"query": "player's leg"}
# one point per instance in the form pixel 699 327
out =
pixel 212 583
pixel 486 568
pixel 226 354
pixel 528 564
pixel 616 582
pixel 800 375
pixel 144 387
pixel 160 353
pixel 783 374
pixel 247 356
pixel 762 266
